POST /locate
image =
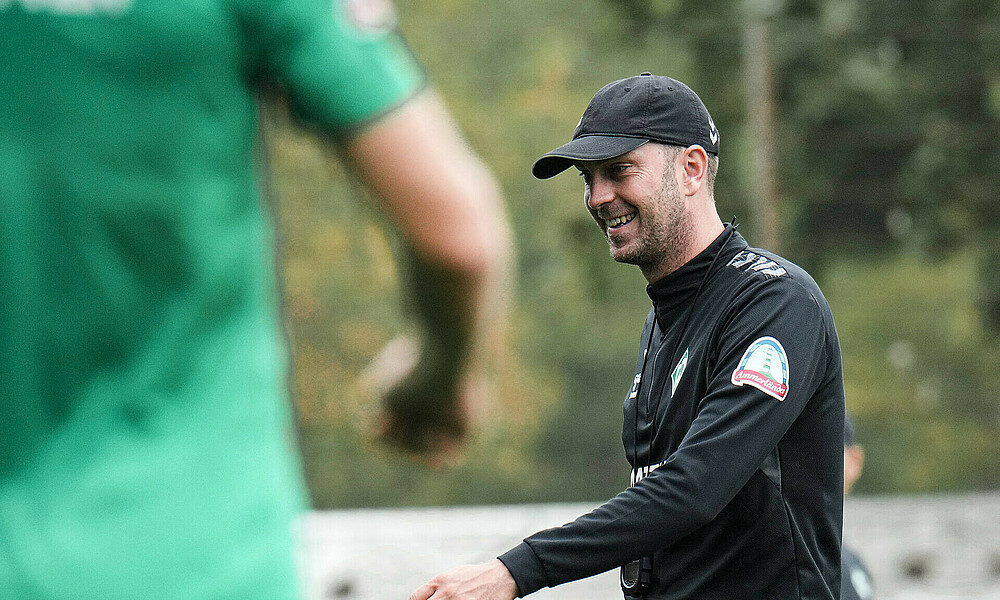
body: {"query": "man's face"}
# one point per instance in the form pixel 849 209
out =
pixel 635 200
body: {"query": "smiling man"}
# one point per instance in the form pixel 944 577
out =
pixel 734 417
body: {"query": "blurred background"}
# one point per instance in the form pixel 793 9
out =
pixel 860 139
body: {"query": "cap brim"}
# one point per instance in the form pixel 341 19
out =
pixel 588 147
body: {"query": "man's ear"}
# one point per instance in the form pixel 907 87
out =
pixel 694 169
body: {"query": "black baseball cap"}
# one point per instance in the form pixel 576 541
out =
pixel 628 113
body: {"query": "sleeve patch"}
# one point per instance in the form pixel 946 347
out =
pixel 764 366
pixel 751 261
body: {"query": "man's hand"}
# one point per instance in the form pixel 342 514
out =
pixel 488 581
pixel 422 411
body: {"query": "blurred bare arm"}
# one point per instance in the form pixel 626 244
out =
pixel 448 209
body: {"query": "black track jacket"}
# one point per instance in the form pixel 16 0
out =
pixel 740 494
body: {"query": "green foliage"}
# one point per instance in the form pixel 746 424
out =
pixel 920 373
pixel 887 115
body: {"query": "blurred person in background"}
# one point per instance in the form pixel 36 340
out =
pixel 856 583
pixel 146 441
pixel 734 419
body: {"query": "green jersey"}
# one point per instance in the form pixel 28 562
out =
pixel 145 447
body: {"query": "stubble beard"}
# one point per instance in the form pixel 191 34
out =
pixel 665 234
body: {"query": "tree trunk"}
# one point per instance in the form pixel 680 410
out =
pixel 759 76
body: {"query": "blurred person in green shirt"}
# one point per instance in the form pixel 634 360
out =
pixel 144 425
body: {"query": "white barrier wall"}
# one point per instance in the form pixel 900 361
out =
pixel 917 548
pixel 928 546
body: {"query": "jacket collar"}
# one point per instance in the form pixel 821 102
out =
pixel 672 294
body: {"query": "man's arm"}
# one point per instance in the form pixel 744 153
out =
pixel 736 427
pixel 447 207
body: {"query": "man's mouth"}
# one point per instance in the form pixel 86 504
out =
pixel 619 221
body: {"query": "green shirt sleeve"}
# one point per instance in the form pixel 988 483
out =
pixel 341 62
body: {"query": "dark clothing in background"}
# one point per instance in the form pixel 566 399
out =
pixel 856 583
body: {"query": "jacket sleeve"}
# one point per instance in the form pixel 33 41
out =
pixel 737 425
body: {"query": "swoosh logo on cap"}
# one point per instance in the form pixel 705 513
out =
pixel 713 134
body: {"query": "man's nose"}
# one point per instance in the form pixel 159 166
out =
pixel 601 193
